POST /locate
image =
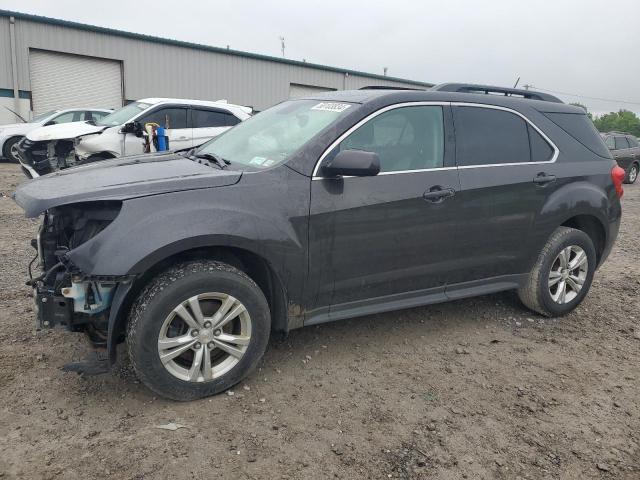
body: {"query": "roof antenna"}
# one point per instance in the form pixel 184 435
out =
pixel 385 71
pixel 282 45
pixel 516 84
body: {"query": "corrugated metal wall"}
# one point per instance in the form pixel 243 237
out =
pixel 5 54
pixel 156 69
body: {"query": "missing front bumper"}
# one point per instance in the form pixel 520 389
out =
pixel 52 310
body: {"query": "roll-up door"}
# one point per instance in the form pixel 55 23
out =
pixel 60 80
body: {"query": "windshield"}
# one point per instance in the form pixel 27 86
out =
pixel 122 116
pixel 270 137
pixel 42 116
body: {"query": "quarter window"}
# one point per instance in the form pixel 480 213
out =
pixel 406 138
pixel 541 151
pixel 167 118
pixel 633 143
pixel 487 136
pixel 621 143
pixel 213 118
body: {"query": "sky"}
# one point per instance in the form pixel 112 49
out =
pixel 586 48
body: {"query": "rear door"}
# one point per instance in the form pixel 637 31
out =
pixel 507 169
pixel 209 123
pixel 384 239
pixel 635 147
pixel 622 152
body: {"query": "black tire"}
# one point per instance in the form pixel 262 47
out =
pixel 535 293
pixel 168 290
pixel 6 149
pixel 632 174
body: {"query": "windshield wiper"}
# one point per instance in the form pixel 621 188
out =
pixel 218 160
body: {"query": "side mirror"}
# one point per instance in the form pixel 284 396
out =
pixel 354 163
pixel 50 122
pixel 132 127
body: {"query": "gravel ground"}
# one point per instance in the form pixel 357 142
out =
pixel 479 388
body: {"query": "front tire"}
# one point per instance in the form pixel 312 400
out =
pixel 197 329
pixel 9 149
pixel 562 274
pixel 632 174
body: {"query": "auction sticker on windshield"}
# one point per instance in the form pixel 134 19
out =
pixel 331 107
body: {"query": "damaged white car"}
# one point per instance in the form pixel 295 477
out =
pixel 187 124
pixel 11 134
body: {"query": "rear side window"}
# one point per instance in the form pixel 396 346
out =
pixel 621 143
pixel 582 129
pixel 633 143
pixel 212 118
pixel 486 136
pixel 167 117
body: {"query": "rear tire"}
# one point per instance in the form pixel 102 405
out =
pixel 632 174
pixel 562 274
pixel 8 150
pixel 157 329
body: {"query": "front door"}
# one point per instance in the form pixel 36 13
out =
pixel 386 240
pixel 173 119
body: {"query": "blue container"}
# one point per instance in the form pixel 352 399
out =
pixel 162 141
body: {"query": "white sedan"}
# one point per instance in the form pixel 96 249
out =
pixel 11 134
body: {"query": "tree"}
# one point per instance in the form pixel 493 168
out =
pixel 621 121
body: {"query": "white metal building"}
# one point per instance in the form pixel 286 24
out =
pixel 47 63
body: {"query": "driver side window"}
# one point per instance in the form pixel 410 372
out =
pixel 406 138
pixel 66 118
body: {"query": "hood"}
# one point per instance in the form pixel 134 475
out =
pixel 119 179
pixel 64 130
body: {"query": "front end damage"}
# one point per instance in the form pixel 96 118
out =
pixel 42 157
pixel 64 294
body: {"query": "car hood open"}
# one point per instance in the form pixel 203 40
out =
pixel 119 179
pixel 64 130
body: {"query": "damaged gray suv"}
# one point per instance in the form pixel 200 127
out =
pixel 319 209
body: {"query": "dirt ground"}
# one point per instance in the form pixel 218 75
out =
pixel 479 388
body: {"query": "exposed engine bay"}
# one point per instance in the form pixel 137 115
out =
pixel 65 295
pixel 49 156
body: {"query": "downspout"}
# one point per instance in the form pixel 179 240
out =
pixel 14 63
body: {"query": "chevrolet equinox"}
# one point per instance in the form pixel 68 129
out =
pixel 318 209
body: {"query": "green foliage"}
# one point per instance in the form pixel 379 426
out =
pixel 622 121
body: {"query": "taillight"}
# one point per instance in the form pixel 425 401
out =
pixel 617 175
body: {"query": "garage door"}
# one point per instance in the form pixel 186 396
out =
pixel 60 80
pixel 298 90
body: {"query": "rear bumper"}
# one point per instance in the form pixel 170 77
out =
pixel 612 235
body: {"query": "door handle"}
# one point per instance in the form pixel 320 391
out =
pixel 438 194
pixel 182 138
pixel 543 178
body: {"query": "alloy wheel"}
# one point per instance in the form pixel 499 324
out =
pixel 568 274
pixel 204 337
pixel 633 173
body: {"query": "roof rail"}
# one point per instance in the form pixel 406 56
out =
pixel 384 87
pixel 491 90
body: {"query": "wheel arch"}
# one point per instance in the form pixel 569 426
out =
pixel 253 264
pixel 7 142
pixel 593 227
